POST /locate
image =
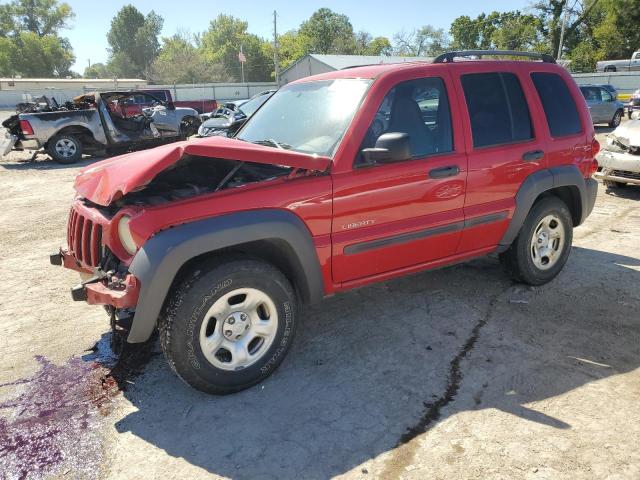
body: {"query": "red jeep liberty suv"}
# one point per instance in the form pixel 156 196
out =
pixel 339 180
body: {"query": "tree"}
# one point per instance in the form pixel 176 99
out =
pixel 465 33
pixel 425 41
pixel 328 32
pixel 29 41
pixel 134 42
pixel 180 61
pixel 97 70
pixel 516 31
pixel 221 45
pixel 366 45
pixel 550 14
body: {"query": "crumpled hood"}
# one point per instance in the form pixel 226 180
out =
pixel 106 181
pixel 628 133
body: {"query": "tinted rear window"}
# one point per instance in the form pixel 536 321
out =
pixel 559 108
pixel 498 109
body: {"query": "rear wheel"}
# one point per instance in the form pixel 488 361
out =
pixel 229 325
pixel 617 118
pixel 65 149
pixel 543 245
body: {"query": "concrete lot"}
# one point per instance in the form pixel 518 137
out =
pixel 456 373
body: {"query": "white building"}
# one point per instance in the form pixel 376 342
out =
pixel 313 64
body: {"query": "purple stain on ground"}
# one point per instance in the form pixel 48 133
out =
pixel 51 424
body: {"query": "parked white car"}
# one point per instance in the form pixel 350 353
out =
pixel 619 159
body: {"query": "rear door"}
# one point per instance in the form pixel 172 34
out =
pixel 392 217
pixel 568 133
pixel 504 147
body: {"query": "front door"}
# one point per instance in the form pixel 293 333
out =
pixel 393 216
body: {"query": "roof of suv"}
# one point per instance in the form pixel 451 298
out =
pixel 374 71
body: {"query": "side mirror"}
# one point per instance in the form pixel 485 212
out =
pixel 171 106
pixel 390 147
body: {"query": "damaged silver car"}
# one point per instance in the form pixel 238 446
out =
pixel 619 160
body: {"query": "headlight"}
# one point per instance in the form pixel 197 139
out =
pixel 124 234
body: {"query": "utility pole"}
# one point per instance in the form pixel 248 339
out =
pixel 276 61
pixel 242 60
pixel 564 25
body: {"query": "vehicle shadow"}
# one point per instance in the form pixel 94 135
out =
pixel 44 162
pixel 369 367
pixel 630 192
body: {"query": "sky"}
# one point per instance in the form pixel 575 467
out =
pixel 379 17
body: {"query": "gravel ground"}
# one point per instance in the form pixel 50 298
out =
pixel 455 373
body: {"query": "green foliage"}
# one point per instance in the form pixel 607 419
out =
pixel 134 42
pixel 221 45
pixel 29 41
pixel 328 32
pixel 97 70
pixel 181 61
pixel 500 30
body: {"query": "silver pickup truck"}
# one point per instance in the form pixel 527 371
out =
pixel 104 122
pixel 620 65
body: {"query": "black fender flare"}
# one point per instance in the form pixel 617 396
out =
pixel 156 264
pixel 544 180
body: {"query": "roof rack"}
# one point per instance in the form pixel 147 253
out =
pixel 449 56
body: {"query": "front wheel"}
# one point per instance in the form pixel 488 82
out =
pixel 229 325
pixel 543 245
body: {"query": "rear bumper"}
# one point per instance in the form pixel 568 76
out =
pixel 592 193
pixel 100 290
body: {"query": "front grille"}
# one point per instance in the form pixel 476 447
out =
pixel 84 238
pixel 626 174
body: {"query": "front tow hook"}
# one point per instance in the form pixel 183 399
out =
pixel 79 293
pixel 55 258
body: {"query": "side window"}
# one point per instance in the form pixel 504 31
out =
pixel 606 96
pixel 497 107
pixel 559 108
pixel 419 108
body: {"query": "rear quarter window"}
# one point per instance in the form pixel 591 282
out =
pixel 559 107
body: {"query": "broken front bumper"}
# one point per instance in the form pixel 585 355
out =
pixel 101 288
pixel 618 167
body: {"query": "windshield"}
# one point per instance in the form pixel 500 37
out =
pixel 307 117
pixel 252 105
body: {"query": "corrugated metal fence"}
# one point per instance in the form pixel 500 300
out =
pixel 194 92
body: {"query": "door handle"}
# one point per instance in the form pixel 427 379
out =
pixel 533 155
pixel 443 172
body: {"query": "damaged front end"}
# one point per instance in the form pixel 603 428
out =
pixel 121 204
pixel 619 160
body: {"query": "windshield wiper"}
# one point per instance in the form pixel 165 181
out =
pixel 270 142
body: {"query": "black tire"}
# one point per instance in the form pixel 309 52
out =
pixel 610 68
pixel 613 184
pixel 182 320
pixel 617 118
pixel 518 259
pixel 189 126
pixel 74 153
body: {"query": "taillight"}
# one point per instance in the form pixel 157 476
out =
pixel 26 128
pixel 593 165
